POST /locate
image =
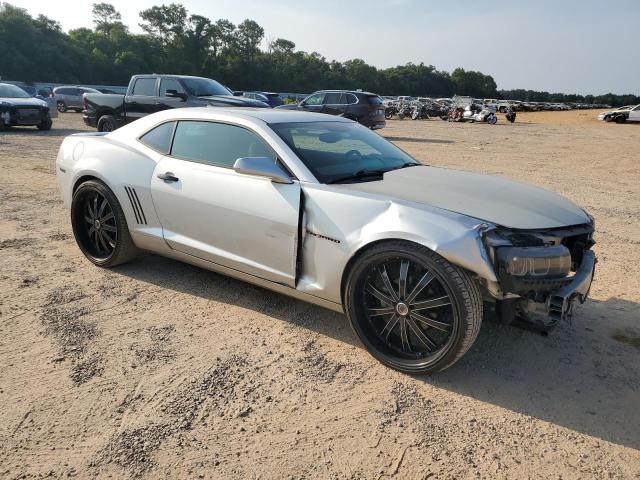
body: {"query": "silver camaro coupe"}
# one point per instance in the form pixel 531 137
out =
pixel 323 209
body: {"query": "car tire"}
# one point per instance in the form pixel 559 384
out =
pixel 107 123
pixel 61 106
pixel 607 119
pixel 393 331
pixel 2 125
pixel 620 119
pixel 101 229
pixel 45 124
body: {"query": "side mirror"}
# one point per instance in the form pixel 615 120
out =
pixel 262 167
pixel 174 94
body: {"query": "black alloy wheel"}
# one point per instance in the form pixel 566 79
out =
pixel 412 309
pixel 99 225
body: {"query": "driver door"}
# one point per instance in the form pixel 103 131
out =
pixel 208 210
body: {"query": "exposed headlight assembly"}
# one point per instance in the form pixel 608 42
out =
pixel 535 262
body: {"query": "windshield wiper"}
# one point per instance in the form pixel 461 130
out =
pixel 359 174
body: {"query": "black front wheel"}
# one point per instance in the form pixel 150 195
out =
pixel 99 225
pixel 414 311
pixel 45 124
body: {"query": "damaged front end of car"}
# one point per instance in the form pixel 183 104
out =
pixel 541 273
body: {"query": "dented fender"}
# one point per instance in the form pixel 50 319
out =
pixel 332 235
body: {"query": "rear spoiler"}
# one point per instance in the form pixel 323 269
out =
pixel 89 134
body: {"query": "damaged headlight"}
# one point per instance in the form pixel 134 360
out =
pixel 532 262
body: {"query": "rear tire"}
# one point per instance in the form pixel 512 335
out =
pixel 392 330
pixel 107 123
pixel 61 106
pixel 99 225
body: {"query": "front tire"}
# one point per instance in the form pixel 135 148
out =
pixel 62 107
pixel 413 310
pixel 620 119
pixel 99 225
pixel 45 124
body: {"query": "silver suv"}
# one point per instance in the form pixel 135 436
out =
pixel 70 98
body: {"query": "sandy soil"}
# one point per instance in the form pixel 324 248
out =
pixel 160 369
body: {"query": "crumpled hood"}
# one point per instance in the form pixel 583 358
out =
pixel 485 197
pixel 23 102
pixel 232 101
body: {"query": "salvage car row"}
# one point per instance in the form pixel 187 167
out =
pixel 147 94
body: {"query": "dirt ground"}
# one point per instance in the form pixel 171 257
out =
pixel 159 369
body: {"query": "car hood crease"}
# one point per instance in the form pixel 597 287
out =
pixel 494 199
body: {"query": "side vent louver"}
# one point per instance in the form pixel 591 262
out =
pixel 136 205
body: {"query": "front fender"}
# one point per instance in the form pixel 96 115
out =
pixel 338 225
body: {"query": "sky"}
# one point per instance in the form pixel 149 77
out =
pixel 569 46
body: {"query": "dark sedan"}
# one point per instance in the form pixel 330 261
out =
pixel 363 107
pixel 17 107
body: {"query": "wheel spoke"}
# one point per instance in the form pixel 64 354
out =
pixel 424 339
pixel 91 230
pixel 444 327
pixel 88 220
pixel 424 281
pixel 404 337
pixel 102 241
pixel 376 312
pixel 90 211
pixel 107 217
pixel 108 228
pixel 109 239
pixel 379 295
pixel 433 303
pixel 390 325
pixel 95 206
pixel 102 206
pixel 387 283
pixel 402 283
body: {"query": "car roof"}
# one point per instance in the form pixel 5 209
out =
pixel 355 92
pixel 266 115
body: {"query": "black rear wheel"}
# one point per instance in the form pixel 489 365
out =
pixel 99 225
pixel 107 123
pixel 412 309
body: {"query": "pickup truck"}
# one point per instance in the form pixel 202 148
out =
pixel 148 94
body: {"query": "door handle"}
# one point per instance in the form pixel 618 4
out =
pixel 168 177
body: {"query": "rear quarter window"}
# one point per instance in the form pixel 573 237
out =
pixel 374 100
pixel 160 137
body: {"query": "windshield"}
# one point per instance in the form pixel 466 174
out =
pixel 204 87
pixel 11 91
pixel 338 150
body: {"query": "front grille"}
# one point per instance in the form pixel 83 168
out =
pixel 28 114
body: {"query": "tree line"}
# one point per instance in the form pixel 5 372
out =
pixel 175 41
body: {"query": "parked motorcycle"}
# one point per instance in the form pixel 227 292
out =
pixel 477 113
pixel 419 111
pixel 390 111
pixel 404 110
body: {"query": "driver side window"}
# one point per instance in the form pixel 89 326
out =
pixel 217 144
pixel 170 84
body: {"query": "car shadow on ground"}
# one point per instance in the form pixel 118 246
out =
pixel 584 376
pixel 28 130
